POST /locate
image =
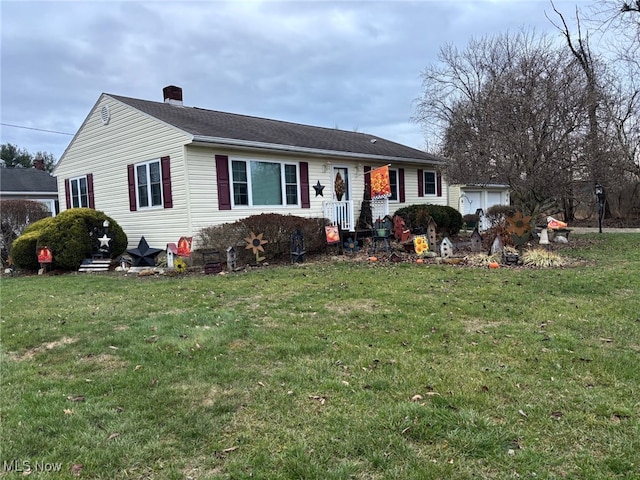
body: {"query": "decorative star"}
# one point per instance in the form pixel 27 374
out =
pixel 318 188
pixel 144 256
pixel 104 241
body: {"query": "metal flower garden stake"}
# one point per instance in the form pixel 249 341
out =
pixel 255 243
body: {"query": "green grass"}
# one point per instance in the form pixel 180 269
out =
pixel 309 371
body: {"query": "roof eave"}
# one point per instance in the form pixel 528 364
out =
pixel 247 144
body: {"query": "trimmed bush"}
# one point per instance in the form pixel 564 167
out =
pixel 72 236
pixel 416 217
pixel 276 229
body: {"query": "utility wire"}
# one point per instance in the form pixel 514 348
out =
pixel 38 129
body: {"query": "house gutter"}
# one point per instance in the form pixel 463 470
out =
pixel 247 144
pixel 12 192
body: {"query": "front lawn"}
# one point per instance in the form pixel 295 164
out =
pixel 328 371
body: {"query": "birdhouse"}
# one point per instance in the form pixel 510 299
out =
pixel 476 240
pixel 446 248
pixel 172 253
pixel 432 230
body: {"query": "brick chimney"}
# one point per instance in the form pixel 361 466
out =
pixel 172 95
pixel 38 163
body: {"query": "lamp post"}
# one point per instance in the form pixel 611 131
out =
pixel 599 190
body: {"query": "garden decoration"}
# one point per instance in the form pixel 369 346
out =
pixel 553 224
pixel 332 232
pixel 420 245
pixel 519 227
pixel 496 246
pixel 172 254
pixel 432 230
pixel 297 247
pixel 45 257
pixel 339 186
pixel 544 237
pixel 400 230
pixel 180 265
pixel 232 258
pixel 318 188
pixel 446 248
pixel 144 255
pixel 476 241
pixel 380 183
pixel 105 241
pixel 184 246
pixel 351 245
pixel 255 243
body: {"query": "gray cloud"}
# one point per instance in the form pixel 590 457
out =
pixel 346 64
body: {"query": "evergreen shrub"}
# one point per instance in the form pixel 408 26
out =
pixel 416 217
pixel 72 236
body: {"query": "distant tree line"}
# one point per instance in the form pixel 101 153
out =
pixel 549 116
pixel 14 157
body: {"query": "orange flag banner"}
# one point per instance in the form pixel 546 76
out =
pixel 380 183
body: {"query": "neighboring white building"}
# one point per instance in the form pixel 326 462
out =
pixel 163 170
pixel 468 199
pixel 29 184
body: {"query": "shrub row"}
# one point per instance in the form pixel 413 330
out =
pixel 416 217
pixel 275 228
pixel 71 236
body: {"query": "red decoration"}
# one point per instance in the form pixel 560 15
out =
pixel 44 255
pixel 184 246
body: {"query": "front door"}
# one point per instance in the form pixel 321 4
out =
pixel 340 184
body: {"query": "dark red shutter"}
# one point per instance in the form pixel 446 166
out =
pixel 401 194
pixel 224 190
pixel 92 202
pixel 132 188
pixel 421 183
pixel 165 163
pixel 304 185
pixel 67 193
pixel 439 184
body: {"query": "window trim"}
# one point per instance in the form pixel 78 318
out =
pixel 425 183
pixel 149 184
pixel 79 196
pixel 396 171
pixel 283 183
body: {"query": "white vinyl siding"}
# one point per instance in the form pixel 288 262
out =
pixel 131 137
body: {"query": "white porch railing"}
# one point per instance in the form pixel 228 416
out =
pixel 340 213
pixel 379 208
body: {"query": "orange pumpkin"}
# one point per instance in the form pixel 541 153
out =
pixel 420 260
pixel 373 259
pixel 494 265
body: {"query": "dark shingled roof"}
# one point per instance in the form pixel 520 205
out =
pixel 213 124
pixel 26 180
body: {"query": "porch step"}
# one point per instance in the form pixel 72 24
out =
pixel 95 265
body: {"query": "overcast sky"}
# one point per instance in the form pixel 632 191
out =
pixel 353 65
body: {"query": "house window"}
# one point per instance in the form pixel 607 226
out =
pixel 430 183
pixel 79 192
pixel 393 180
pixel 149 184
pixel 257 183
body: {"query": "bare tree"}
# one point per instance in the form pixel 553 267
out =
pixel 511 110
